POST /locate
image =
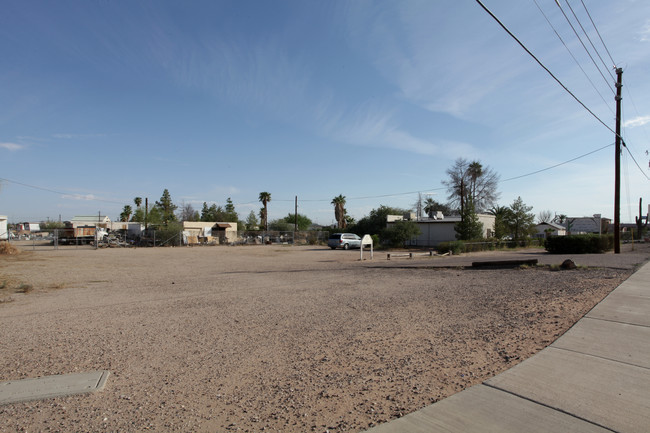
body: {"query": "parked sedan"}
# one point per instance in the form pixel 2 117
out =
pixel 344 240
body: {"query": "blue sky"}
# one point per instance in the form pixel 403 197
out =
pixel 103 101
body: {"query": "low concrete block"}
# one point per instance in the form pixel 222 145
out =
pixel 16 391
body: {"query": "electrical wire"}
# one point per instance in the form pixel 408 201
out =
pixel 584 46
pixel 590 42
pixel 573 57
pixel 557 165
pixel 637 164
pixel 596 28
pixel 544 67
pixel 65 194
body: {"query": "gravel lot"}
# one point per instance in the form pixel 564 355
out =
pixel 276 338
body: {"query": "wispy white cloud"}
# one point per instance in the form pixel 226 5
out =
pixel 637 121
pixel 11 146
pixel 644 33
pixel 374 126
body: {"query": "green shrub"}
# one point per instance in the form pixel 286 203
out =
pixel 579 244
pixel 455 247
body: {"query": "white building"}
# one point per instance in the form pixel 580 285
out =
pixel 441 229
pixel 4 235
pixel 545 230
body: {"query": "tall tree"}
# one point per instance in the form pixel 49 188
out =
pixel 230 215
pixel 187 212
pixel 471 181
pixel 375 222
pixel 251 221
pixel 520 220
pixel 545 216
pixel 138 202
pixel 126 213
pixel 501 218
pixel 469 226
pixel 167 208
pixel 303 221
pixel 339 210
pixel 265 198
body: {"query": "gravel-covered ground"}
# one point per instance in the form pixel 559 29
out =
pixel 275 338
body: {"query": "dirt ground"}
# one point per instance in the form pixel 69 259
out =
pixel 275 338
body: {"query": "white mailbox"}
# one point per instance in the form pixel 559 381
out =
pixel 366 240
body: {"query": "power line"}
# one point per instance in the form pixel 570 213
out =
pixel 597 32
pixel 584 46
pixel 65 194
pixel 557 165
pixel 637 164
pixel 544 67
pixel 590 42
pixel 574 58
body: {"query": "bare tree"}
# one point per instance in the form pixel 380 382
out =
pixel 545 216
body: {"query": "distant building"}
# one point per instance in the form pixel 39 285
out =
pixel 28 227
pixel 91 220
pixel 441 229
pixel 545 230
pixel 584 225
pixel 4 235
pixel 209 231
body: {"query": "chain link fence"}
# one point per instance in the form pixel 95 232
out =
pixel 61 239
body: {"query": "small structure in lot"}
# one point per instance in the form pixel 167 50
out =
pixel 91 220
pixel 4 235
pixel 209 232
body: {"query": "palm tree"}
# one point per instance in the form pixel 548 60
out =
pixel 430 206
pixel 339 210
pixel 265 197
pixel 501 214
pixel 126 213
pixel 137 201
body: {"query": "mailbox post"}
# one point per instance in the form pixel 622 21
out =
pixel 366 240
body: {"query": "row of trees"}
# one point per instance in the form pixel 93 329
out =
pixel 471 187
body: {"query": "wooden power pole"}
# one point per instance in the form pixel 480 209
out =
pixel 617 169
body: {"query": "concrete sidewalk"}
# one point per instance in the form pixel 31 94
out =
pixel 595 378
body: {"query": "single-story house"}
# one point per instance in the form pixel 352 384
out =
pixel 209 232
pixel 441 229
pixel 4 235
pixel 547 229
pixel 582 225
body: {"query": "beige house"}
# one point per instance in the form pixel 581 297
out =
pixel 441 229
pixel 208 232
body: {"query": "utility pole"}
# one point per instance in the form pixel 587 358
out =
pixel 295 218
pixel 617 169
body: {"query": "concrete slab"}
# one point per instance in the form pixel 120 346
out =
pixel 482 409
pixel 607 393
pixel 612 340
pixel 624 308
pixel 17 391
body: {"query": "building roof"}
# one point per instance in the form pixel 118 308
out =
pixel 555 226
